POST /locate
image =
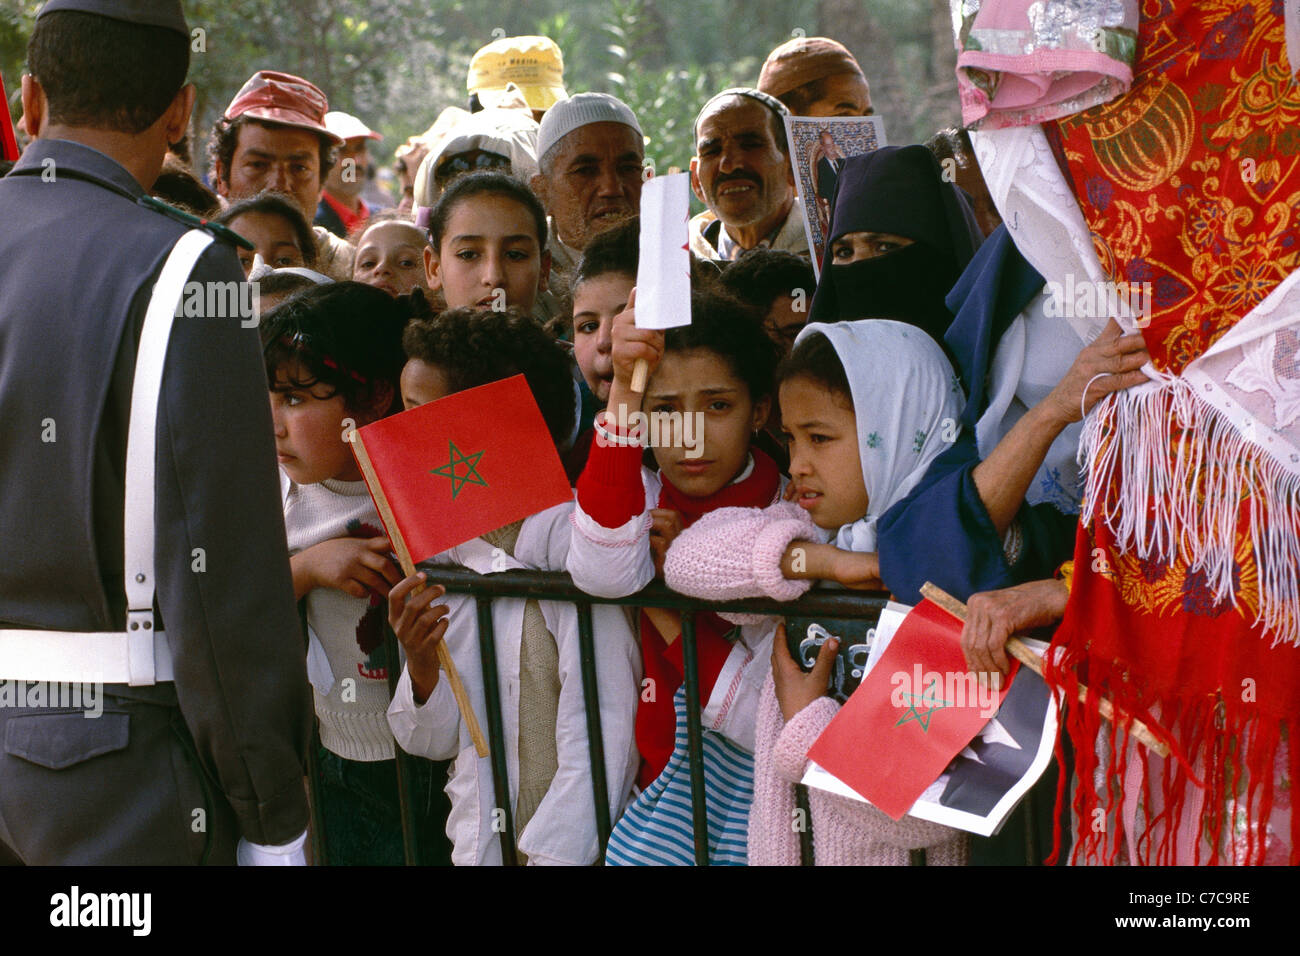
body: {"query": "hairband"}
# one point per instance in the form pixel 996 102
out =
pixel 298 342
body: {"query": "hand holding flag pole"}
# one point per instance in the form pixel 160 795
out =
pixel 640 372
pixel 1021 652
pixel 408 568
pixel 476 487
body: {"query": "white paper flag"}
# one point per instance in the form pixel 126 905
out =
pixel 663 273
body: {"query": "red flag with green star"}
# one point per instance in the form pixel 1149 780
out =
pixel 446 472
pixel 913 712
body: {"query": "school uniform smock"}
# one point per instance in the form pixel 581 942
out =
pixel 562 827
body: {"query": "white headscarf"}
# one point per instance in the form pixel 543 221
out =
pixel 908 403
pixel 511 133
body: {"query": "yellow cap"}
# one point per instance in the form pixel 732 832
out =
pixel 533 64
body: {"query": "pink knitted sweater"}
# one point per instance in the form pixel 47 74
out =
pixel 736 553
pixel 845 832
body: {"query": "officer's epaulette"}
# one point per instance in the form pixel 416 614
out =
pixel 194 222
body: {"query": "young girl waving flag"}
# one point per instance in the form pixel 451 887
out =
pixel 716 372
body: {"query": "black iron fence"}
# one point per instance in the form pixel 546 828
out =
pixel 556 586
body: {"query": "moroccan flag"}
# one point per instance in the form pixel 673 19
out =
pixel 913 712
pixel 8 141
pixel 449 471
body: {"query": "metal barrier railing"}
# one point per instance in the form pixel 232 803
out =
pixel 556 586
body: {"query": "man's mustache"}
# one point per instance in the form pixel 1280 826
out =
pixel 736 177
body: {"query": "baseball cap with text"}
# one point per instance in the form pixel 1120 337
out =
pixel 533 64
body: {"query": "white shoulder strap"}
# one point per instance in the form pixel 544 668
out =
pixel 141 453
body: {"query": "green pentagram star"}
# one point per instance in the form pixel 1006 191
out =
pixel 459 481
pixel 928 702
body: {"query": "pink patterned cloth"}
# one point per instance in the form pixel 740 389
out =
pixel 1022 62
pixel 845 832
pixel 1145 814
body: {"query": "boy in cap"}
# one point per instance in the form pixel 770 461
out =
pixel 273 136
pixel 133 482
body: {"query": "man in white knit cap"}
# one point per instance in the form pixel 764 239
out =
pixel 591 153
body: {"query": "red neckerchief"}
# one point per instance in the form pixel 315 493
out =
pixel 757 490
pixel 656 719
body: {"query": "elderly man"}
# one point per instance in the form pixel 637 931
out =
pixel 273 136
pixel 592 156
pixel 742 172
pixel 816 76
pixel 342 210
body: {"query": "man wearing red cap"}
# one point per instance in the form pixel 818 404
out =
pixel 273 136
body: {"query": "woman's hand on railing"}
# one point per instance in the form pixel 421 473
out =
pixel 419 621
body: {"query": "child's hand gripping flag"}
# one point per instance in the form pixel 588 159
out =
pixel 913 712
pixel 452 470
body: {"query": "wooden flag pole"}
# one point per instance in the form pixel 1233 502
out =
pixel 408 568
pixel 640 372
pixel 1021 652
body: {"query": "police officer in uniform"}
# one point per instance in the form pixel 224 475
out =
pixel 198 754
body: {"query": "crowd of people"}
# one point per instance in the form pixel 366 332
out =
pixel 915 409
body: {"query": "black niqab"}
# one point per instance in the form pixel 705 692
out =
pixel 897 190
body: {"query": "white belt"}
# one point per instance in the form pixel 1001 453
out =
pixel 73 657
pixel 139 655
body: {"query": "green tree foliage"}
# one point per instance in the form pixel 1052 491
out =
pixel 16 19
pixel 398 63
